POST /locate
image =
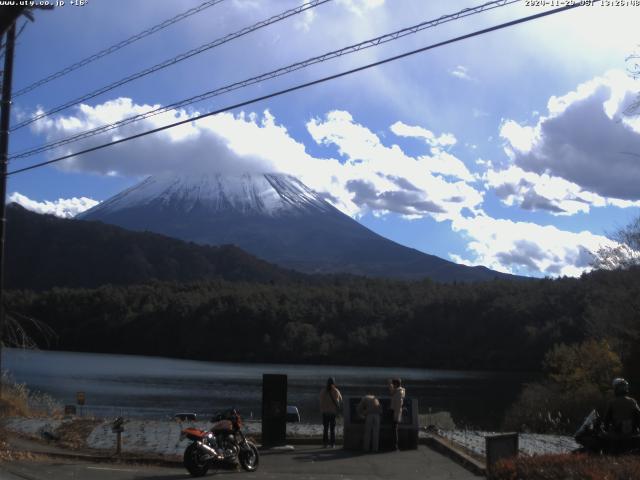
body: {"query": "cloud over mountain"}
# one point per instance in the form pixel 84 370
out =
pixel 372 174
pixel 369 176
pixel 63 207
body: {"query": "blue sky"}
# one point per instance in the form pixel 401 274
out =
pixel 508 150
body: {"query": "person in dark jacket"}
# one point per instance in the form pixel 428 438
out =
pixel 330 401
pixel 622 417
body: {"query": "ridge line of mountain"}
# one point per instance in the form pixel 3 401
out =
pixel 275 217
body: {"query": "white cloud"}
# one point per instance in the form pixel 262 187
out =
pixel 404 130
pixel 461 72
pixel 371 177
pixel 305 20
pixel 521 138
pixel 531 191
pixel 359 7
pixel 584 138
pixel 63 207
pixel 217 142
pixel 385 179
pixel 446 164
pixel 527 248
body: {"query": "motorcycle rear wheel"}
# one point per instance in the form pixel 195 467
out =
pixel 194 461
pixel 249 457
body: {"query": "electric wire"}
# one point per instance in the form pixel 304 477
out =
pixel 303 86
pixel 172 61
pixel 270 75
pixel 116 47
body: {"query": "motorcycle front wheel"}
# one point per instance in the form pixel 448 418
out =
pixel 249 457
pixel 194 461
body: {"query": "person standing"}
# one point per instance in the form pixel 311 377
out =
pixel 330 401
pixel 397 400
pixel 369 408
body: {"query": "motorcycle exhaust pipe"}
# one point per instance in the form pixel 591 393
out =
pixel 209 450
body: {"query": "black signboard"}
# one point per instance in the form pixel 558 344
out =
pixel 274 409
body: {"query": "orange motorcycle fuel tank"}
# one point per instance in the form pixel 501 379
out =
pixel 193 434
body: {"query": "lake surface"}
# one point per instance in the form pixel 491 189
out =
pixel 158 387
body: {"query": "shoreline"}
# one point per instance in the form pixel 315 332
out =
pixel 162 437
pixel 283 363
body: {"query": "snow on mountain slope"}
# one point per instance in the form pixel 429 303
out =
pixel 264 194
pixel 275 217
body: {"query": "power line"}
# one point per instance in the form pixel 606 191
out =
pixel 117 46
pixel 176 59
pixel 270 75
pixel 303 85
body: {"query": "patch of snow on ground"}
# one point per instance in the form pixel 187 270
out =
pixel 162 437
pixel 529 443
pixel 33 427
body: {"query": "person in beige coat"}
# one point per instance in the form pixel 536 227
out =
pixel 330 401
pixel 397 400
pixel 369 408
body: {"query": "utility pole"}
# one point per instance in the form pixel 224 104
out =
pixel 8 15
pixel 5 114
pixel 8 19
pixel 4 160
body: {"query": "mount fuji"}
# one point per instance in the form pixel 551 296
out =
pixel 275 217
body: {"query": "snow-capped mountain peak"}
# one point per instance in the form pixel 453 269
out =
pixel 264 194
pixel 275 217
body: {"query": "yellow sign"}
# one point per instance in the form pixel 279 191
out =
pixel 80 398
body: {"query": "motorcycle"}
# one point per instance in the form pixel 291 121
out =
pixel 593 438
pixel 223 443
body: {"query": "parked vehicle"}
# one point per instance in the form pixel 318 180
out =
pixel 593 438
pixel 223 443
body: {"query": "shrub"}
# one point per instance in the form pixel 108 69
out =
pixel 567 467
pixel 578 379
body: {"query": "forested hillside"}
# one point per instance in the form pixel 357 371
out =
pixel 492 325
pixel 44 251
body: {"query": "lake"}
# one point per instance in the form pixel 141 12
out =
pixel 157 387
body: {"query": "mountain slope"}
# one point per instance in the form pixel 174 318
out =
pixel 275 217
pixel 44 251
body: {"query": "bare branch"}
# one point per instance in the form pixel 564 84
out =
pixel 20 330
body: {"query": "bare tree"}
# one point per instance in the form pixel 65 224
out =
pixel 633 67
pixel 623 255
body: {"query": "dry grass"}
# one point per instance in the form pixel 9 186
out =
pixel 7 454
pixel 74 434
pixel 568 467
pixel 14 401
pixel 18 401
